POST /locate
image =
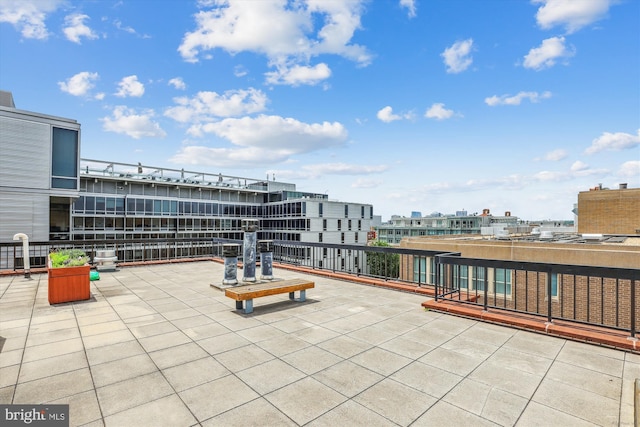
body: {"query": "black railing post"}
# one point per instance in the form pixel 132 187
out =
pixel 633 308
pixel 549 297
pixel 437 276
pixel 486 289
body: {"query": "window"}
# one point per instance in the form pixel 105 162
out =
pixel 320 237
pixel 346 211
pixel 324 225
pixel 432 271
pixel 339 224
pixel 320 210
pixel 479 279
pixel 355 236
pixel 461 276
pixel 503 281
pixel 554 285
pixel 419 269
pixel 342 237
pixel 361 211
pixel 64 159
pixel 349 225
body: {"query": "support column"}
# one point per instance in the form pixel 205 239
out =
pixel 266 259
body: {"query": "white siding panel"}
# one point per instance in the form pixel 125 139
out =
pixel 26 151
pixel 24 213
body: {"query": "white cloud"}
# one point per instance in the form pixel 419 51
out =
pixel 130 86
pixel 577 170
pixel 75 28
pixel 100 96
pixel 240 71
pixel 509 182
pixel 438 112
pixel 299 75
pixel 315 171
pixel 261 140
pixel 571 14
pixel 556 155
pixel 411 7
pixel 386 115
pixel 614 142
pixel 457 57
pixel 178 83
pixel 79 84
pixel 578 166
pixel 534 97
pixel 136 125
pixel 630 169
pixel 28 16
pixel 279 133
pixel 366 183
pixel 207 106
pixel 127 29
pixel 237 26
pixel 546 55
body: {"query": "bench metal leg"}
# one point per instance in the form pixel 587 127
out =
pixel 291 295
pixel 249 306
pixel 303 295
pixel 238 305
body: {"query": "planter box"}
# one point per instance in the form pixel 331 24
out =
pixel 69 284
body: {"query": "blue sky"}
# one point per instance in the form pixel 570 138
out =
pixel 410 105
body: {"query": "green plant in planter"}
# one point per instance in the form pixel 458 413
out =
pixel 68 258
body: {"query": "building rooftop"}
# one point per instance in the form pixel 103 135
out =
pixel 155 348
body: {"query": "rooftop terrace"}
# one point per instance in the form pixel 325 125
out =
pixel 157 345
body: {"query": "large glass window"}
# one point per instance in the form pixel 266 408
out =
pixel 503 281
pixel 432 275
pixel 554 285
pixel 461 276
pixel 64 159
pixel 419 269
pixel 478 278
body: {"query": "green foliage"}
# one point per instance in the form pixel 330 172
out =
pixel 383 264
pixel 68 258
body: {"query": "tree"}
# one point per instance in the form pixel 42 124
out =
pixel 383 264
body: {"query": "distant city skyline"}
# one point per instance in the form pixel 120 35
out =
pixel 407 105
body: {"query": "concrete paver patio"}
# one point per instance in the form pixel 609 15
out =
pixel 157 345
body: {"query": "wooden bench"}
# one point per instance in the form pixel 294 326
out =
pixel 249 292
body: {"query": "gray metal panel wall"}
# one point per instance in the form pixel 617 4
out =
pixel 24 213
pixel 26 154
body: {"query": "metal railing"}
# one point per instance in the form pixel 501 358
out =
pixel 598 296
pixel 601 296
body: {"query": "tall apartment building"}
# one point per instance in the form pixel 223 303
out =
pixel 49 193
pixel 605 211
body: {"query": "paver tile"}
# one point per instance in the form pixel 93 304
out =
pixel 218 396
pixel 395 401
pixel 305 400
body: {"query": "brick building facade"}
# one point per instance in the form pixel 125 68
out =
pixel 605 211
